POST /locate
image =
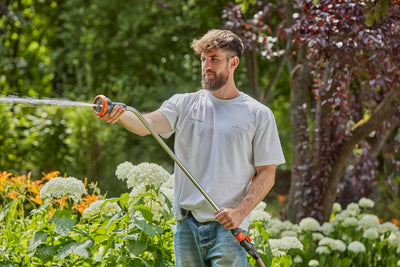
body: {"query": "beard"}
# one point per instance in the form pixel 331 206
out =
pixel 217 82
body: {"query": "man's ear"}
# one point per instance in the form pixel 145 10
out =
pixel 233 62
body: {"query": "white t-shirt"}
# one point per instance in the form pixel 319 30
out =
pixel 220 142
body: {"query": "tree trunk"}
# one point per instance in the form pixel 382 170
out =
pixel 294 210
pixel 252 71
pixel 387 108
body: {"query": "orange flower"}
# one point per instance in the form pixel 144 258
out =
pixel 18 179
pixel 36 199
pixel 59 200
pixel 34 187
pixel 281 198
pixel 91 198
pixel 51 211
pixel 50 175
pixel 4 176
pixel 12 195
pixel 396 222
pixel 80 207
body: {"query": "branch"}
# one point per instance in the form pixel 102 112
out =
pixel 387 108
pixel 274 79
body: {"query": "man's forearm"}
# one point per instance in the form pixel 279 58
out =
pixel 132 123
pixel 260 187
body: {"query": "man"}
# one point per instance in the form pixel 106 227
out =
pixel 223 137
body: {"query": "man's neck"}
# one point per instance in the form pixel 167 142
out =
pixel 228 91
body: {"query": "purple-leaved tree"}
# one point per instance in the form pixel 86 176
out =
pixel 344 63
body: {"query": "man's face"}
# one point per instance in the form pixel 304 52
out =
pixel 215 71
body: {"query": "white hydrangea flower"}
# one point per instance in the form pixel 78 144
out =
pixel 348 222
pixel 354 207
pixel 371 234
pixel 323 250
pixel 366 203
pixel 286 243
pixel 336 220
pixel 276 226
pixel 59 187
pixel 317 236
pixel 298 259
pixel 147 174
pixel 394 239
pixel 336 207
pixel 369 221
pixel 327 228
pixel 398 263
pixel 288 233
pixel 309 224
pixel 333 244
pixel 101 208
pixel 313 263
pixel 356 247
pixel 346 238
pixel 259 213
pixel 387 227
pixel 123 170
pixel 347 213
pixel 277 252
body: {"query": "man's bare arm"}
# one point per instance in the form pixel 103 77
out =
pixel 232 217
pixel 130 121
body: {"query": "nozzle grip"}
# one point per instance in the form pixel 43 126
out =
pixel 245 242
pixel 104 105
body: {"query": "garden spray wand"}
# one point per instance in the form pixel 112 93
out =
pixel 103 106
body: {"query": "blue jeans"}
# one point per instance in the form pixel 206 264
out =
pixel 206 245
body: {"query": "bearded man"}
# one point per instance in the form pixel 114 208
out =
pixel 224 138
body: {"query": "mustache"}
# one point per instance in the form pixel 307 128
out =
pixel 208 72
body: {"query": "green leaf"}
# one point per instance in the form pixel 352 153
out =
pixel 79 249
pixel 124 201
pixel 38 239
pixel 146 212
pixel 137 247
pixel 131 237
pixel 46 253
pixel 64 213
pixel 142 225
pixel 63 225
pixel 159 229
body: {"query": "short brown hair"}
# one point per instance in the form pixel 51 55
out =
pixel 219 39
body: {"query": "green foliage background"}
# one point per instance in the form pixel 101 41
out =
pixel 136 52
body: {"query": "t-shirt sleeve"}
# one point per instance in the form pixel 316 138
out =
pixel 266 143
pixel 170 109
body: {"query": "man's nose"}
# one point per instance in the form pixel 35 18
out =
pixel 206 64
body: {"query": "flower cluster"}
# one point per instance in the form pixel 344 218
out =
pixel 138 176
pixel 101 208
pixel 123 169
pixel 279 247
pixel 351 235
pixel 259 213
pixel 59 187
pixel 309 224
pixel 144 178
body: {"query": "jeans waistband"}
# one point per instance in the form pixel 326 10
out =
pixel 187 214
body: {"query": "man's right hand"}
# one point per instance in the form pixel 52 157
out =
pixel 114 115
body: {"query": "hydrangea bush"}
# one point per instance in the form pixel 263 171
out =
pixel 352 237
pixel 136 229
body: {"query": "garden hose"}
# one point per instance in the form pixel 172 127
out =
pixel 105 106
